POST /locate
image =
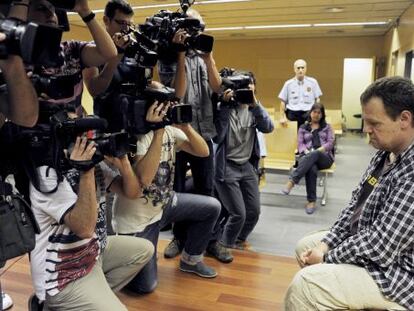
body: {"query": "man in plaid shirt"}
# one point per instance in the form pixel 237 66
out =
pixel 366 260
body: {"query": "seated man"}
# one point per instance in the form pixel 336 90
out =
pixel 160 205
pixel 74 264
pixel 366 260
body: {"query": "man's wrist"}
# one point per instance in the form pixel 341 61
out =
pixel 87 17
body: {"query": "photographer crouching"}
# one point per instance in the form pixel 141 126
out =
pixel 75 264
pixel 20 106
pixel 237 156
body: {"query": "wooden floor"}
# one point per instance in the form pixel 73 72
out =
pixel 253 281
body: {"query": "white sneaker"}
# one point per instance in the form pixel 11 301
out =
pixel 7 301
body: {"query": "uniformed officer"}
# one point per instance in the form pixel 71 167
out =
pixel 298 95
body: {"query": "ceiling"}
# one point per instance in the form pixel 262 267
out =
pixel 280 12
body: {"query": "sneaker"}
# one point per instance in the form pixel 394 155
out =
pixel 34 303
pixel 220 252
pixel 201 269
pixel 173 249
pixel 7 301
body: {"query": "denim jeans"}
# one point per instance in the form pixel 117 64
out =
pixel 199 213
pixel 308 166
pixel 239 193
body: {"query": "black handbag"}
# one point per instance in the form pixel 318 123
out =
pixel 18 225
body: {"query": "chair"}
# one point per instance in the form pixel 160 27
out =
pixel 334 118
pixel 324 181
pixel 281 145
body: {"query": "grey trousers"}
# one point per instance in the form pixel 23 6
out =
pixel 122 259
pixel 239 194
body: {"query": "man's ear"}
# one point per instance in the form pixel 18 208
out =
pixel 106 20
pixel 406 118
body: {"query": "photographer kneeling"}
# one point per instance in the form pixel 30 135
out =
pixel 160 205
pixel 75 265
pixel 237 159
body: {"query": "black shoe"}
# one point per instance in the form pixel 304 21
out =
pixel 220 252
pixel 173 249
pixel 34 303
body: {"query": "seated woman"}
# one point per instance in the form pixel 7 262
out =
pixel 315 147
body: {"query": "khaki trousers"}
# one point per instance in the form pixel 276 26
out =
pixel 122 259
pixel 333 286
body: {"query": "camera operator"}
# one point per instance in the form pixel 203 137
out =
pixel 76 54
pixel 237 159
pixel 20 106
pixel 75 264
pixel 117 18
pixel 160 205
pixel 195 78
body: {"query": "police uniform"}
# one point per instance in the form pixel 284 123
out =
pixel 299 97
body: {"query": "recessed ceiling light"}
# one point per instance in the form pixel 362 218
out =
pixel 335 9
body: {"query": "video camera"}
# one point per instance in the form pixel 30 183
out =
pixel 141 48
pixel 239 82
pixel 162 26
pixel 36 44
pixel 133 111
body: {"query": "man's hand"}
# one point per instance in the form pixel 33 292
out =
pixel 119 163
pixel 313 256
pixel 228 95
pixel 82 8
pixel 83 150
pixel 180 36
pixel 122 41
pixel 157 111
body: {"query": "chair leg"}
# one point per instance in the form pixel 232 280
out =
pixel 325 190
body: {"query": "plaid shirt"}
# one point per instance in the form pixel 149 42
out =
pixel 384 242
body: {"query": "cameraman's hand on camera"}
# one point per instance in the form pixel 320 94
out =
pixel 83 150
pixel 179 38
pixel 157 111
pixel 121 41
pixel 228 95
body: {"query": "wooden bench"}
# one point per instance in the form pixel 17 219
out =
pixel 334 118
pixel 281 145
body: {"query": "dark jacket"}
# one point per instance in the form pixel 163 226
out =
pixel 263 123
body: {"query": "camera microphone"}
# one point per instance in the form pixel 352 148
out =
pixel 89 123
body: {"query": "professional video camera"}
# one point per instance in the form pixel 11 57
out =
pixel 239 82
pixel 55 86
pixel 46 141
pixel 36 44
pixel 133 111
pixel 141 48
pixel 163 25
pixel 125 105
